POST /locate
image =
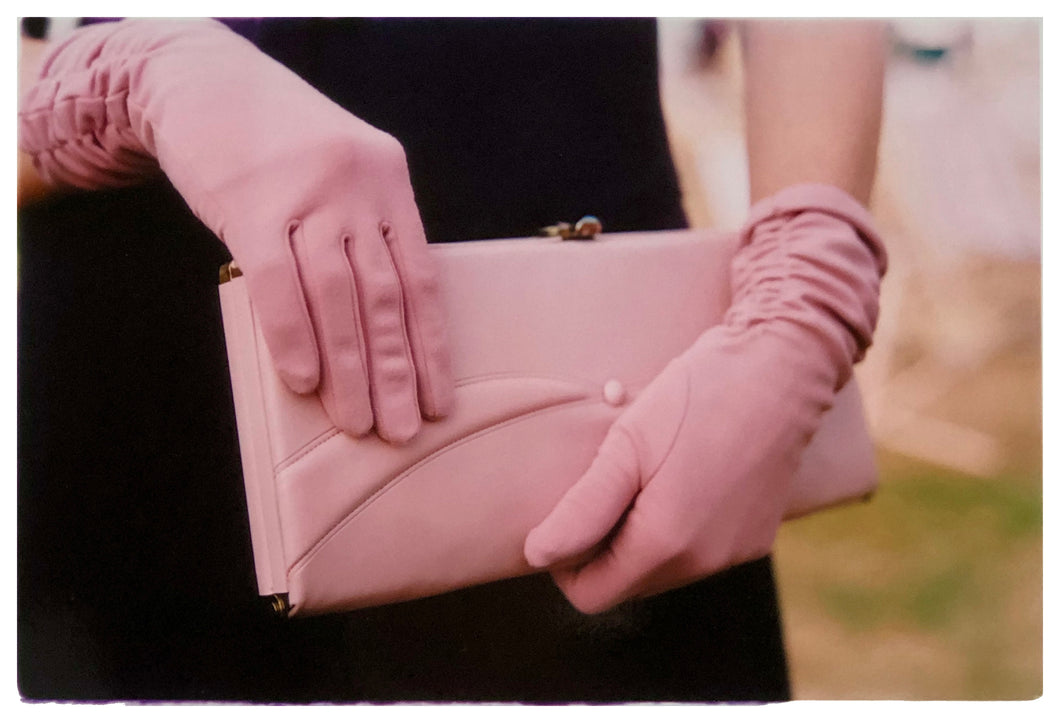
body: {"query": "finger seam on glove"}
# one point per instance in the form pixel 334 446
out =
pixel 408 314
pixel 685 402
pixel 358 308
pixel 371 357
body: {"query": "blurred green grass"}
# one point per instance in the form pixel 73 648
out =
pixel 948 530
pixel 947 565
pixel 932 590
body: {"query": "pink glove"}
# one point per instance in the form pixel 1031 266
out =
pixel 691 479
pixel 315 205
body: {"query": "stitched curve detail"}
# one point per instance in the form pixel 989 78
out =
pixel 518 375
pixel 302 452
pixel 392 483
pixel 299 454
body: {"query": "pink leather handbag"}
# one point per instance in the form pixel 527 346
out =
pixel 550 339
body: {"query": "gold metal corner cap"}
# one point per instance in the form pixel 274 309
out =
pixel 230 271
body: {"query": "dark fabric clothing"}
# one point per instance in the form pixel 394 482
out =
pixel 508 125
pixel 135 576
pixel 34 28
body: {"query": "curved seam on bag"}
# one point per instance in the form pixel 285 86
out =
pixel 304 560
pixel 299 454
pixel 492 376
pixel 296 456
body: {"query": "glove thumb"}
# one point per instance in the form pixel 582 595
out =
pixel 591 508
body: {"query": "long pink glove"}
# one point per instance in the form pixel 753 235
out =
pixel 315 205
pixel 692 477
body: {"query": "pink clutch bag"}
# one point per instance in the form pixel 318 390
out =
pixel 550 340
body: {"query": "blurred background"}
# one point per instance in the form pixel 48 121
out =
pixel 933 590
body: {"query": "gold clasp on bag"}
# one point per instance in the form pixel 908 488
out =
pixel 230 271
pixel 584 230
pixel 280 604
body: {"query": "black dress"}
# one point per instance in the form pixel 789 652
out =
pixel 135 577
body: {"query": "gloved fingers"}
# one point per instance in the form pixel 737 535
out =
pixel 388 351
pixel 635 560
pixel 333 300
pixel 425 319
pixel 591 508
pixel 280 304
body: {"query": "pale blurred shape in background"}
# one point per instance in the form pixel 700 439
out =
pixel 934 589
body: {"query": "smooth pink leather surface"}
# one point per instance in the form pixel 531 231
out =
pixel 538 328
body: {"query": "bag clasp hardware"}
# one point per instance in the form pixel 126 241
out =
pixel 230 271
pixel 280 604
pixel 585 229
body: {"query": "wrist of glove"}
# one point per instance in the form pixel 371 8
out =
pixel 691 479
pixel 315 205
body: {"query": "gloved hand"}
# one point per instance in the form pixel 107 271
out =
pixel 315 205
pixel 692 477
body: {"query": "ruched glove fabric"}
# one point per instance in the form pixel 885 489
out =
pixel 692 477
pixel 315 205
